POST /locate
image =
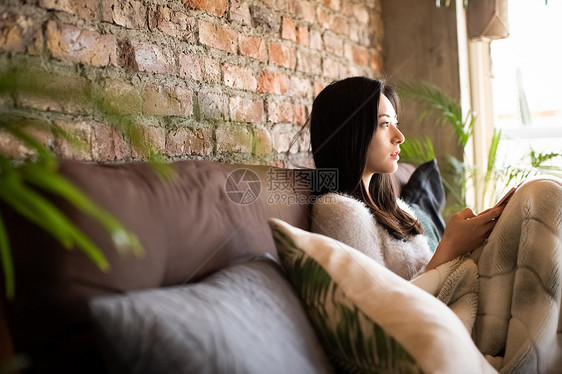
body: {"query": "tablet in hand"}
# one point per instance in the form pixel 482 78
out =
pixel 506 197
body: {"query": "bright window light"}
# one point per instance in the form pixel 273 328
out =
pixel 527 83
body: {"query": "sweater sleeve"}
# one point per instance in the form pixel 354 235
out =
pixel 348 221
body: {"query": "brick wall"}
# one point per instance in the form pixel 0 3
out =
pixel 230 80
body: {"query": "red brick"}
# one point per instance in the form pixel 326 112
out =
pixel 299 87
pixel 253 47
pixel 217 36
pixel 325 18
pixel 152 58
pixel 20 34
pixel 175 24
pixel 58 93
pixel 340 25
pixel 81 131
pixel 213 105
pixel 199 68
pixel 122 97
pixel 246 110
pixel 361 13
pixel 318 87
pixel 347 70
pixel 374 4
pixel 347 8
pixel 334 4
pixel 239 77
pixel 168 101
pixel 303 142
pixel 357 55
pixel 265 19
pixel 289 30
pixel 299 114
pixel 333 43
pixel 12 147
pixel 303 9
pixel 233 138
pixel 79 45
pixel 152 139
pixel 331 68
pixel 329 21
pixel 377 24
pixel 86 9
pixel 376 63
pixel 280 112
pixel 214 7
pixel 316 40
pixel 240 12
pixel 271 82
pixel 269 3
pixel 108 144
pixel 130 14
pixel 280 5
pixel 282 55
pixel 302 35
pixel 281 136
pixel 308 62
pixel 357 33
pixel 263 143
pixel 183 141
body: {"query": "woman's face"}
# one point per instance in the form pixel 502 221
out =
pixel 382 155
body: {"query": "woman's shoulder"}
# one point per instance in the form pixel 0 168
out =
pixel 339 204
pixel 343 203
pixel 348 220
pixel 341 212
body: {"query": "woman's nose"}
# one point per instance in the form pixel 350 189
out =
pixel 399 137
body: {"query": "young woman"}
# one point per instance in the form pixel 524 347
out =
pixel 508 292
pixel 354 128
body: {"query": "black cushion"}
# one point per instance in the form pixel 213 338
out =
pixel 425 189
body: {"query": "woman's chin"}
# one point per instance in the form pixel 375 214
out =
pixel 394 168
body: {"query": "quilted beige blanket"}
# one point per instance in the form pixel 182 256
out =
pixel 509 292
pixel 519 321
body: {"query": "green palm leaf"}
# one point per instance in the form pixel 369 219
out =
pixel 7 263
pixel 417 152
pixel 448 109
pixel 51 182
pixel 22 181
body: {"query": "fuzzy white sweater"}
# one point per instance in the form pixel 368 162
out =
pixel 350 221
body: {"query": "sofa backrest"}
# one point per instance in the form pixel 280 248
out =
pixel 209 216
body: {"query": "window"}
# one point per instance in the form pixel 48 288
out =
pixel 527 84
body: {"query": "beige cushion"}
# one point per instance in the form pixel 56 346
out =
pixel 367 317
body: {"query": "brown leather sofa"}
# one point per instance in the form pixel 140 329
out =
pixel 194 228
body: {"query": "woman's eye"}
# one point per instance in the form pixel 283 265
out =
pixel 384 124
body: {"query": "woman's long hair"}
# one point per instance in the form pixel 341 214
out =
pixel 342 123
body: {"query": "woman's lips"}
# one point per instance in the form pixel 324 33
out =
pixel 395 156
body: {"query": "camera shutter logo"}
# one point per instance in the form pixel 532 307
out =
pixel 242 186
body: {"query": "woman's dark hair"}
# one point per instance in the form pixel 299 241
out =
pixel 342 123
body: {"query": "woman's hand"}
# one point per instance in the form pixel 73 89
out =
pixel 464 233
